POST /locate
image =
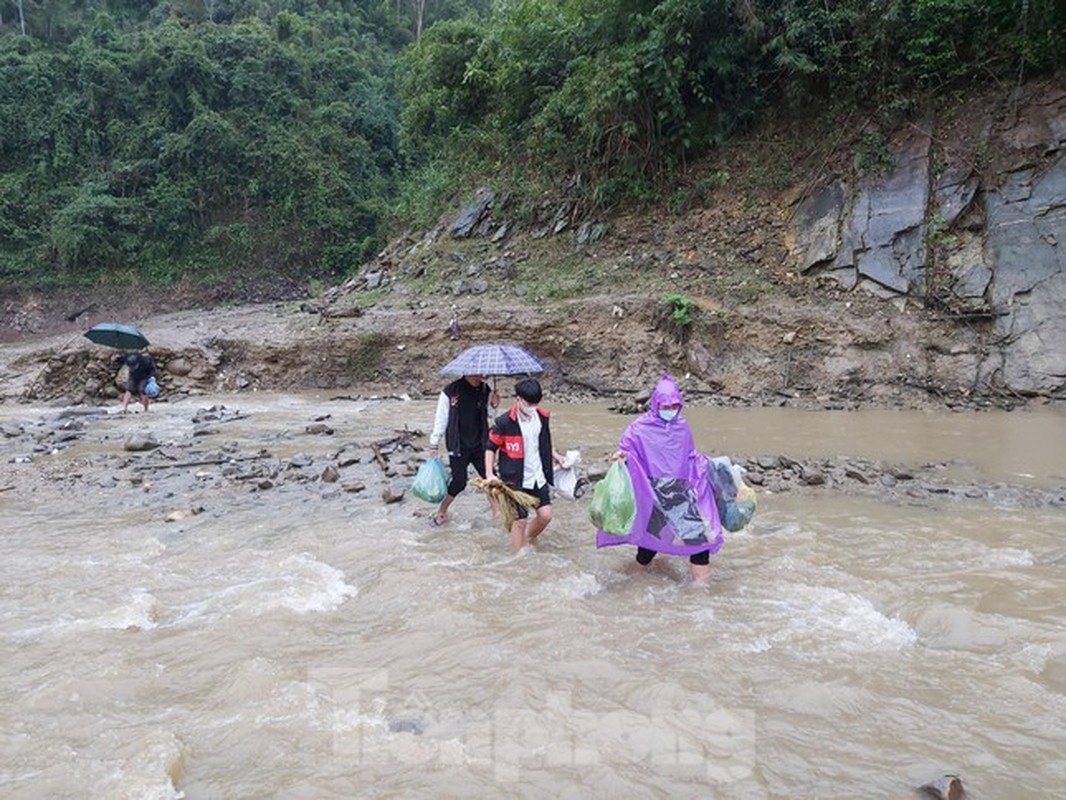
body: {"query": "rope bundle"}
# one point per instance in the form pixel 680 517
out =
pixel 509 499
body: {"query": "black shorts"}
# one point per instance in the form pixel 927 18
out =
pixel 544 494
pixel 459 465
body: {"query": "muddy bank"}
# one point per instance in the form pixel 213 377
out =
pixel 785 351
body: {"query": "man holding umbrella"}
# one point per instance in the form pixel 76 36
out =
pixel 463 410
pixel 140 376
pixel 140 368
pixel 462 419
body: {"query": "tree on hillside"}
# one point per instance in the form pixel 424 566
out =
pixel 623 91
pixel 22 18
pixel 175 148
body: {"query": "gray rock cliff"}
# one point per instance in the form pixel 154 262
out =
pixel 981 241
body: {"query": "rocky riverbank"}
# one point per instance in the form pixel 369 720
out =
pixel 189 451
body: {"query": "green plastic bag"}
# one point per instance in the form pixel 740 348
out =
pixel 431 481
pixel 614 506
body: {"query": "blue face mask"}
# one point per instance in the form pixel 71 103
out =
pixel 667 414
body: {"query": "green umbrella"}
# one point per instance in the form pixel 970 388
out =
pixel 117 335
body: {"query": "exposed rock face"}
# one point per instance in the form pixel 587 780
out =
pixel 1026 220
pixel 475 217
pixel 979 241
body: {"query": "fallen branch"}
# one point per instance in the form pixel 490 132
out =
pixel 405 437
pixel 338 313
pixel 207 420
pixel 598 389
pixel 585 385
pixel 360 399
pixel 382 461
pixel 203 463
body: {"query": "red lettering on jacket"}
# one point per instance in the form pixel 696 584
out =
pixel 511 444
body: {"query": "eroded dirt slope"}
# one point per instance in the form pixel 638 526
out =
pixel 780 350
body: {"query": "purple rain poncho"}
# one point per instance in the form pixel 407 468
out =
pixel 676 512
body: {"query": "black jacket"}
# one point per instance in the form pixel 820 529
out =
pixel 460 393
pixel 505 439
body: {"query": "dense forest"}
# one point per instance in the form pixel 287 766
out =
pixel 197 140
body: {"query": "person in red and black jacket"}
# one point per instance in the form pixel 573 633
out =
pixel 526 461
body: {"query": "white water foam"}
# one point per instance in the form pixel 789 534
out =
pixel 1007 557
pixel 141 612
pixel 817 618
pixel 1034 657
pixel 300 584
pixel 367 735
pixel 149 769
pixel 570 587
pixel 297 583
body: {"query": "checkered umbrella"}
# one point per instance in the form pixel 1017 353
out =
pixel 493 359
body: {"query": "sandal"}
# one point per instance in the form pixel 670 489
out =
pixel 437 520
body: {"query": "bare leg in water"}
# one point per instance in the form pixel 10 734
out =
pixel 537 522
pixel 526 530
pixel 442 511
pixel 701 574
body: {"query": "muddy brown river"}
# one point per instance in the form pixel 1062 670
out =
pixel 173 632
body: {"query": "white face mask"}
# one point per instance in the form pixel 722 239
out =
pixel 526 409
pixel 667 414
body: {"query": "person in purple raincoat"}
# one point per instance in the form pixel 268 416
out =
pixel 676 512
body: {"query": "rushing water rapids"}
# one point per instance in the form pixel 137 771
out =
pixel 307 642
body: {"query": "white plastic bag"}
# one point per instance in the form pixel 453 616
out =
pixel 735 499
pixel 566 475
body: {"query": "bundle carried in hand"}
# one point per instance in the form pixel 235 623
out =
pixel 735 499
pixel 508 498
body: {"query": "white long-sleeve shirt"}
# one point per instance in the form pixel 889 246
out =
pixel 440 421
pixel 532 470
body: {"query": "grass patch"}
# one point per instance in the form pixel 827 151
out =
pixel 364 357
pixel 563 279
pixel 370 297
pixel 744 287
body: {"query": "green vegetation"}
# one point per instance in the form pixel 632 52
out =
pixel 872 155
pixel 625 92
pixel 681 309
pixel 679 315
pixel 185 141
pixel 168 150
